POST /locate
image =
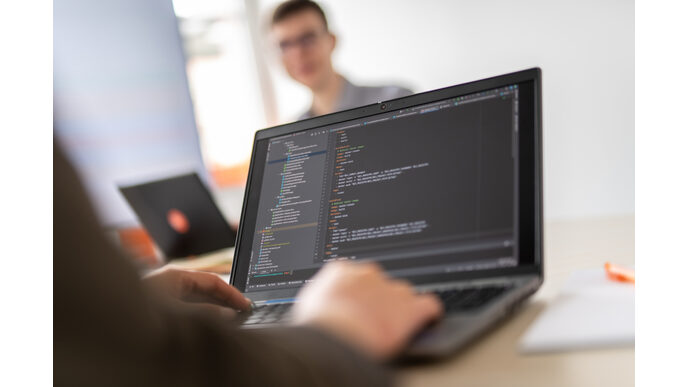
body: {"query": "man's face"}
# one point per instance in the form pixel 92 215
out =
pixel 305 47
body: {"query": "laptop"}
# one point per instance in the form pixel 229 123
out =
pixel 180 215
pixel 442 189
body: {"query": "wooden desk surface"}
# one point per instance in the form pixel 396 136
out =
pixel 494 359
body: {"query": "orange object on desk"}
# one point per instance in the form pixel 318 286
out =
pixel 618 273
pixel 137 241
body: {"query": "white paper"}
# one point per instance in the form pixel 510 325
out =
pixel 590 312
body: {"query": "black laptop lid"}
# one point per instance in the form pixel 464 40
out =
pixel 435 187
pixel 180 216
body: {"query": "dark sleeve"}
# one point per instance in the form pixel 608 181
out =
pixel 108 331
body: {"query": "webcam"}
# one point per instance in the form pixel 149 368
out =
pixel 383 106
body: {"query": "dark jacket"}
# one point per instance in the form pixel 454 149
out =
pixel 108 331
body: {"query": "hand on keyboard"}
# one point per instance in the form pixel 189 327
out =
pixel 197 291
pixel 359 304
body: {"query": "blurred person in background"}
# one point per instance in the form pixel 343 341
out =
pixel 176 327
pixel 299 29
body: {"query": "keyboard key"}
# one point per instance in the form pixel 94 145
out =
pixel 268 313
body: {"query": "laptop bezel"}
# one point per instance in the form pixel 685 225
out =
pixel 532 74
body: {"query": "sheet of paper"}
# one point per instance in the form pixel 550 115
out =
pixel 590 312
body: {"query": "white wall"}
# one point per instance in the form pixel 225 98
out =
pixel 585 49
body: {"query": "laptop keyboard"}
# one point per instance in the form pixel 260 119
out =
pixel 463 300
pixel 268 314
pixel 454 301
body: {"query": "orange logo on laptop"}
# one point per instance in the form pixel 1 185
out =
pixel 178 221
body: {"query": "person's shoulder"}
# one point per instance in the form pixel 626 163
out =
pixel 386 92
pixel 396 91
pixel 305 115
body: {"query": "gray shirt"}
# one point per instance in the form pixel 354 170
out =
pixel 354 96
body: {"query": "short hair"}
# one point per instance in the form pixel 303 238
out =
pixel 292 7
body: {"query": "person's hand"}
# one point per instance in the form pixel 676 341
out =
pixel 359 304
pixel 198 290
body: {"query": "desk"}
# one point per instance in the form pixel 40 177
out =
pixel 494 360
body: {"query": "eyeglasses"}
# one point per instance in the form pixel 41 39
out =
pixel 305 41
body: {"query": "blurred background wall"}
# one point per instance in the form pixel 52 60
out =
pixel 585 48
pixel 121 99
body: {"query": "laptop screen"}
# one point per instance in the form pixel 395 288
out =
pixel 423 190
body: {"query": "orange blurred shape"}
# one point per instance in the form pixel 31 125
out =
pixel 137 242
pixel 230 176
pixel 178 221
pixel 619 273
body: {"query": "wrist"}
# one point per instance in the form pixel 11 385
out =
pixel 346 330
